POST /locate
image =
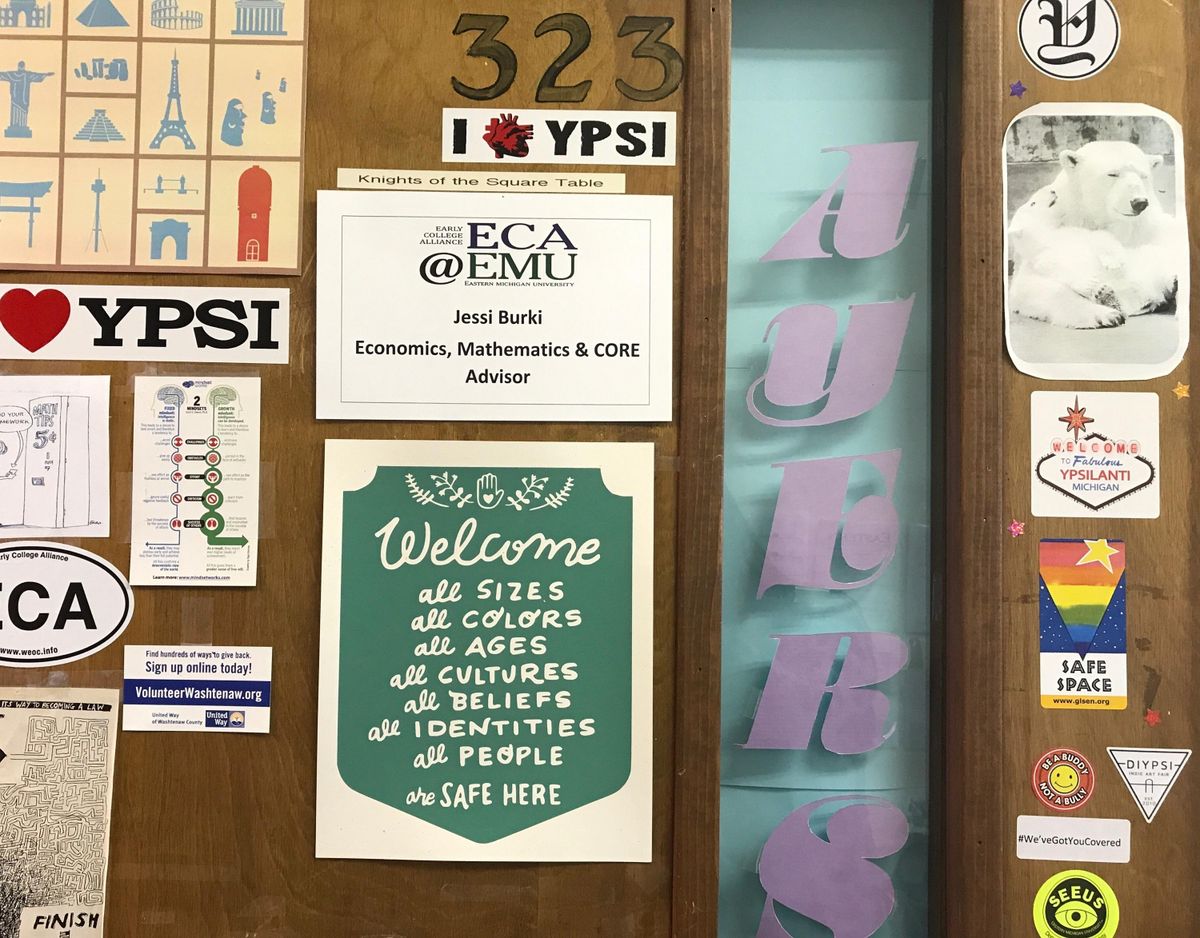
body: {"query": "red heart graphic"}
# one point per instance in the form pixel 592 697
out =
pixel 34 321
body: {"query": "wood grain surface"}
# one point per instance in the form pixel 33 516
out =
pixel 213 835
pixel 995 727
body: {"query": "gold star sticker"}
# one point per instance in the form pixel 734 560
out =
pixel 1183 390
pixel 1098 552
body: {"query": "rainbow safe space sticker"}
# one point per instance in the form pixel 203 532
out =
pixel 1082 612
pixel 1076 904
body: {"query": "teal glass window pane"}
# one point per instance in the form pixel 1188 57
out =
pixel 809 75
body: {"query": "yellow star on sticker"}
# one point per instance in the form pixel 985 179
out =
pixel 1098 552
pixel 1183 390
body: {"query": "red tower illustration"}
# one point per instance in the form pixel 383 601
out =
pixel 254 215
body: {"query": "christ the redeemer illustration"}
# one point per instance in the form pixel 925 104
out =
pixel 19 82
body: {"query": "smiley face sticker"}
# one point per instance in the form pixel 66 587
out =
pixel 1076 904
pixel 1063 780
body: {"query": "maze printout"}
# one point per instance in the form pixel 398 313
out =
pixel 157 134
pixel 57 747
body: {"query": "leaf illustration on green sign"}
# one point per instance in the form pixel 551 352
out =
pixel 486 644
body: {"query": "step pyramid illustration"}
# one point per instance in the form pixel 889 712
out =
pixel 101 14
pixel 99 129
pixel 1082 587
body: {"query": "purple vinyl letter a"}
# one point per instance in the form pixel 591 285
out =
pixel 874 192
pixel 800 361
pixel 856 721
pixel 809 518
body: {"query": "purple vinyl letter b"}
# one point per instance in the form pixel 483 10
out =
pixel 798 682
pixel 809 519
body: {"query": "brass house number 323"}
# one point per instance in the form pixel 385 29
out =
pixel 487 45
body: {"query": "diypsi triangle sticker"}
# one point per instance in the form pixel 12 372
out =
pixel 1083 624
pixel 1149 774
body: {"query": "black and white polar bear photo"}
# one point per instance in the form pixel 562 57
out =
pixel 1096 245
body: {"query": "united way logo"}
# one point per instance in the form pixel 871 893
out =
pixel 1069 39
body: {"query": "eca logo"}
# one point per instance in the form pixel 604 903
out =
pixel 143 324
pixel 58 604
pixel 515 251
pixel 604 138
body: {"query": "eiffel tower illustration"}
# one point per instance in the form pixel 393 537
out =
pixel 173 126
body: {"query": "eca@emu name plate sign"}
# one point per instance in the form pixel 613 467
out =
pixel 486 652
pixel 487 306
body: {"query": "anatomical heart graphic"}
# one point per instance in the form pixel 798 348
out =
pixel 508 138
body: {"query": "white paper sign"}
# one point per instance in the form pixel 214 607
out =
pixel 448 306
pixel 1096 253
pixel 603 138
pixel 1149 774
pixel 197 689
pixel 463 180
pixel 53 456
pixel 1073 839
pixel 57 752
pixel 55 921
pixel 486 652
pixel 146 324
pixel 195 481
pixel 1094 454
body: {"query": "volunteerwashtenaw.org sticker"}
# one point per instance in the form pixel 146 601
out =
pixel 1076 904
pixel 1063 780
pixel 603 138
pixel 1081 607
pixel 1094 454
pixel 1149 774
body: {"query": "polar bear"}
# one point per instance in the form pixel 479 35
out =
pixel 1107 185
pixel 1066 275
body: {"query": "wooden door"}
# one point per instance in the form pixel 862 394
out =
pixel 214 835
pixel 995 727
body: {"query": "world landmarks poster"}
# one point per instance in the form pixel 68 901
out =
pixel 157 135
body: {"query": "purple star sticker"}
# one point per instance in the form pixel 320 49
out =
pixel 1017 89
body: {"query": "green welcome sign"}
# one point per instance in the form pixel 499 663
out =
pixel 485 649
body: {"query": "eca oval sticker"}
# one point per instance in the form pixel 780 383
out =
pixel 58 604
pixel 1076 904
